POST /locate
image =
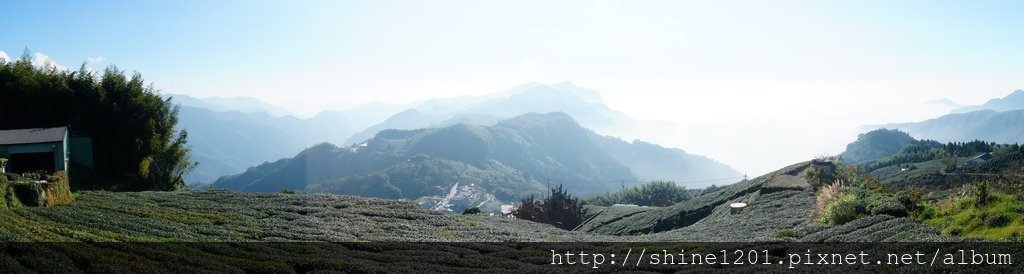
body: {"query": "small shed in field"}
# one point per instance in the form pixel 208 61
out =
pixel 35 149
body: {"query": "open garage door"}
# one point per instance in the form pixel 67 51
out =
pixel 29 162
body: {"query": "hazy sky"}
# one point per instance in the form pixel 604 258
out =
pixel 755 84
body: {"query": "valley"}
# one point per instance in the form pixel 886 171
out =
pixel 511 137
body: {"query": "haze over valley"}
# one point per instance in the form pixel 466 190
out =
pixel 407 136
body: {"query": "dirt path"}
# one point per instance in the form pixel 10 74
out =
pixel 788 181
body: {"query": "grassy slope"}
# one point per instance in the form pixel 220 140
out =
pixel 769 212
pixel 689 212
pixel 924 174
pixel 964 216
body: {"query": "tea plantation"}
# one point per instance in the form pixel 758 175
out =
pixel 228 216
pixel 227 231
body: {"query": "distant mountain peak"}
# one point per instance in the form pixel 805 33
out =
pixel 1012 101
pixel 228 104
pixel 538 120
pixel 508 160
pixel 1016 94
pixel 945 102
pixel 876 144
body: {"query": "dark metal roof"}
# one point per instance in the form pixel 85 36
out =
pixel 32 135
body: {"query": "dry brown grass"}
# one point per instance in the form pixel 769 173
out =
pixel 825 195
pixel 58 192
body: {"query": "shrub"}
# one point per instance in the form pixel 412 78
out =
pixel 58 192
pixel 1016 237
pixel 981 193
pixel 911 199
pixel 12 199
pixel 827 194
pixel 838 204
pixel 3 189
pixel 656 193
pixel 29 193
pixel 786 233
pixel 709 189
pixel 874 203
pixel 840 210
pixel 7 197
pixel 472 210
pixel 997 220
pixel 887 207
pixel 560 209
pixel 824 170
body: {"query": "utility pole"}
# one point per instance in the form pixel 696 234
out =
pixel 549 187
pixel 623 183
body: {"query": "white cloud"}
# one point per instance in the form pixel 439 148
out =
pixel 95 60
pixel 4 58
pixel 40 60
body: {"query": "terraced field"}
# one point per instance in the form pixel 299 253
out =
pixel 772 211
pixel 923 174
pixel 239 220
pixel 203 216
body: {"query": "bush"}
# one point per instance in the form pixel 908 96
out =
pixel 58 192
pixel 887 207
pixel 26 191
pixel 656 193
pixel 709 189
pixel 910 198
pixel 826 195
pixel 29 193
pixel 8 199
pixel 998 220
pixel 3 190
pixel 874 203
pixel 786 233
pixel 560 209
pixel 840 210
pixel 472 210
pixel 981 193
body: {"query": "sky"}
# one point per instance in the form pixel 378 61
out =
pixel 754 84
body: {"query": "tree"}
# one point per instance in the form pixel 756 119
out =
pixel 560 209
pixel 948 161
pixel 135 144
pixel 655 193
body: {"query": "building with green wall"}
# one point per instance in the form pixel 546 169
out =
pixel 35 149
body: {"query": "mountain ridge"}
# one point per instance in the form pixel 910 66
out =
pixel 990 125
pixel 1012 101
pixel 512 158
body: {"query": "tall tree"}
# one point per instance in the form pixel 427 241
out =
pixel 135 144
